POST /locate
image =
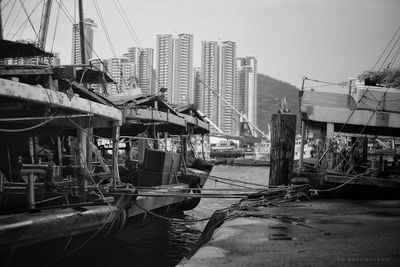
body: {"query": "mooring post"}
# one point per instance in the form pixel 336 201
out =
pixel 283 134
pixel 31 191
pixel 116 133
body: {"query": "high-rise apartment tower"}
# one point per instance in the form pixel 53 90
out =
pixel 88 26
pixel 228 121
pixel 209 80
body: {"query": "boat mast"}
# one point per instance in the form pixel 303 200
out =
pixel 82 33
pixel 45 24
pixel 1 24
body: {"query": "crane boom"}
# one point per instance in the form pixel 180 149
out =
pixel 234 109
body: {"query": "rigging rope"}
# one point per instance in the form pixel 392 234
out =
pixel 394 58
pixel 23 23
pixel 98 10
pixel 133 34
pixel 9 13
pixel 29 19
pixel 337 187
pixel 384 51
pixel 390 52
pixel 6 4
pixel 327 83
pixel 28 128
pixel 242 182
pixel 55 28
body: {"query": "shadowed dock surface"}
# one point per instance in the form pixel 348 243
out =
pixel 310 233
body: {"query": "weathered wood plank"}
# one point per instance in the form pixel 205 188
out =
pixel 345 116
pixel 283 133
pixel 134 114
pixel 370 96
pixel 316 98
pixel 56 99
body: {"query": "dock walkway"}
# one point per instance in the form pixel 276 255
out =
pixel 310 233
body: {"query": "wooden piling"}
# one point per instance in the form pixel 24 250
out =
pixel 283 134
pixel 116 133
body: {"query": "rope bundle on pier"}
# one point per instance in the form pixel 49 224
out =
pixel 249 207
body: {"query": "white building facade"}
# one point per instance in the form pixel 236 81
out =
pixel 209 76
pixel 247 87
pixel 174 67
pixel 165 63
pixel 228 121
pixel 141 61
pixel 183 69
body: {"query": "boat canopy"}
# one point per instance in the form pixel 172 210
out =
pixel 25 108
pixel 12 49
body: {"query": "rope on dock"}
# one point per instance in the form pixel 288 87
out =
pixel 314 192
pixel 170 219
pixel 213 177
pixel 249 194
pixel 249 207
pixel 180 194
pixel 203 189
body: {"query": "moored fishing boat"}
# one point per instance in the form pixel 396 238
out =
pixel 355 139
pixel 57 178
pixel 51 166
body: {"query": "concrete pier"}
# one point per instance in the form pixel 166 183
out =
pixel 307 233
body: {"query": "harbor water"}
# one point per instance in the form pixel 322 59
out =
pixel 149 241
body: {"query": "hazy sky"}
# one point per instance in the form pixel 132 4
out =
pixel 323 39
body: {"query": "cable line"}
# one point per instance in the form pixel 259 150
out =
pixel 8 16
pixel 6 4
pixel 384 51
pixel 398 38
pixel 396 55
pixel 15 19
pixel 29 19
pixel 55 28
pixel 98 10
pixel 326 83
pixel 134 36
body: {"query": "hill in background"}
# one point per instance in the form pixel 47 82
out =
pixel 269 93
